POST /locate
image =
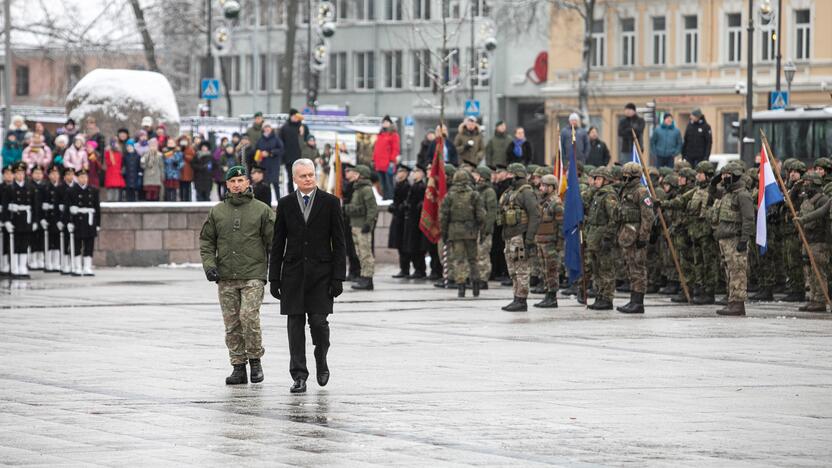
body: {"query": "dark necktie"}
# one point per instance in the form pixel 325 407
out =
pixel 306 200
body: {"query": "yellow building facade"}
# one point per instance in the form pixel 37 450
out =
pixel 685 54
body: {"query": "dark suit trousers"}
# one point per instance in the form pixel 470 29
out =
pixel 319 329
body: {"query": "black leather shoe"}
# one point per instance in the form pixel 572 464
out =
pixel 238 375
pixel 401 274
pixel 795 297
pixel 299 386
pixel 323 378
pixel 417 275
pixel 434 276
pixel 256 371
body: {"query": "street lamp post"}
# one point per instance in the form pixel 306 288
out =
pixel 789 70
pixel 748 136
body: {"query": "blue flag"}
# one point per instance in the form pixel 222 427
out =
pixel 573 216
pixel 637 160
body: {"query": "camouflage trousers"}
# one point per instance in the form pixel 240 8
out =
pixel 794 263
pixel 736 269
pixel 820 252
pixel 636 262
pixel 602 269
pixel 655 274
pixel 682 243
pixel 519 265
pixel 484 257
pixel 550 259
pixel 364 249
pixel 464 258
pixel 705 263
pixel 536 264
pixel 666 261
pixel 240 302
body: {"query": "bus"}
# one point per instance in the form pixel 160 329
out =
pixel 803 133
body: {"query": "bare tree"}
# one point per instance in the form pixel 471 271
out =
pixel 147 41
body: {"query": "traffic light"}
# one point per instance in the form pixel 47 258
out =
pixel 736 129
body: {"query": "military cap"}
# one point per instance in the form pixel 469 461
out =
pixel 631 169
pixel 531 168
pixel 421 167
pixel 403 167
pixel 450 170
pixel 706 167
pixel 517 169
pixel 549 179
pixel 82 171
pixel 20 166
pixel 680 164
pixel 235 171
pixel 462 177
pixel 485 172
pixel 812 178
pixel 363 171
pixel 687 173
pixel 825 163
pixel 256 169
pixel 602 171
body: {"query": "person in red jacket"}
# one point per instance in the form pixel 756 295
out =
pixel 386 155
pixel 113 177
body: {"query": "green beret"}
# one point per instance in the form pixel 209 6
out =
pixel 235 171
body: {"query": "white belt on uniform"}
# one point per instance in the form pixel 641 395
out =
pixel 47 206
pixel 15 208
pixel 90 212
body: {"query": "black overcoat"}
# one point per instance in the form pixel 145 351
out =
pixel 307 256
pixel 397 209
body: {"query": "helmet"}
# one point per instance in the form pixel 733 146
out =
pixel 631 169
pixel 541 171
pixel 588 168
pixel 531 168
pixel 462 177
pixel 616 172
pixel 787 163
pixel 363 171
pixel 798 166
pixel 549 179
pixel 681 164
pixel 665 171
pixel 602 171
pixel 705 167
pixel 687 173
pixel 485 172
pixel 671 179
pixel 825 163
pixel 517 169
pixel 450 170
pixel 812 178
pixel 734 168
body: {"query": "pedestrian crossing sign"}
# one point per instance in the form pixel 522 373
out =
pixel 779 100
pixel 472 108
pixel 210 88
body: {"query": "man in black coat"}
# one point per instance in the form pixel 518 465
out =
pixel 698 139
pixel 307 268
pixel 629 123
pixel 397 209
pixel 290 136
pixel 262 191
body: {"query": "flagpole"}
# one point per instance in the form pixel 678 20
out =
pixel 661 219
pixel 787 197
pixel 580 227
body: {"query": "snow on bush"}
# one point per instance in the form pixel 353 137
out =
pixel 120 98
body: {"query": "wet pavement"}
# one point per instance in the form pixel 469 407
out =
pixel 128 368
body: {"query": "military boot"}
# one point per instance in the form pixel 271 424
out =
pixel 256 370
pixel 636 305
pixel 549 302
pixel 705 297
pixel 763 295
pixel 601 303
pixel 734 308
pixel 671 289
pixel 813 307
pixel 483 285
pixel 238 376
pixel 795 297
pixel 517 305
pixel 363 284
pixel 460 290
pixel 570 291
pixel 507 282
pixel 475 287
pixel 680 297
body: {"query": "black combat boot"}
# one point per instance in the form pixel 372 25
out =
pixel 238 376
pixel 460 290
pixel 475 287
pixel 813 307
pixel 671 289
pixel 763 295
pixel 549 302
pixel 636 305
pixel 680 297
pixel 517 305
pixel 570 291
pixel 256 371
pixel 363 284
pixel 734 308
pixel 601 303
pixel 626 306
pixel 704 298
pixel 795 297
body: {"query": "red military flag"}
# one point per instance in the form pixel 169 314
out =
pixel 338 173
pixel 434 194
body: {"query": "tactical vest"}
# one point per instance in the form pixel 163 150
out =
pixel 597 214
pixel 630 209
pixel 547 219
pixel 512 213
pixel 816 229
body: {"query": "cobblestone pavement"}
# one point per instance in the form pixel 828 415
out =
pixel 128 368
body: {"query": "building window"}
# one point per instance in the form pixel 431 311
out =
pixel 342 9
pixel 421 69
pixel 365 10
pixel 393 10
pixel 393 69
pixel 730 143
pixel 480 8
pixel 598 43
pixel 476 79
pixel 264 7
pixel 451 66
pixel 278 70
pixel 231 72
pixel 803 33
pixel 767 45
pixel 263 68
pixel 628 42
pixel 337 71
pixel 73 75
pixel 21 80
pixel 659 40
pixel 365 70
pixel 252 80
pixel 691 39
pixel 279 11
pixel 421 9
pixel 452 9
pixel 734 21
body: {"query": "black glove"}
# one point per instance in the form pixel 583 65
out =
pixel 715 180
pixel 336 287
pixel 274 289
pixel 640 244
pixel 365 229
pixel 742 246
pixel 213 275
pixel 657 203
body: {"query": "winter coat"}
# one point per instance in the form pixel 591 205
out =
pixel 113 177
pixel 582 147
pixel 413 240
pixel 666 141
pixel 132 166
pixel 386 150
pixel 187 173
pixel 289 135
pixel 94 166
pixel 698 142
pixel 271 148
pixel 425 157
pixel 451 156
pixel 599 154
pixel 254 133
pixel 37 155
pixel 526 154
pixel 625 127
pixel 12 152
pixel 400 192
pixel 236 237
pixel 75 158
pixel 203 166
pixel 218 173
pixel 495 150
pixel 362 209
pixel 19 133
pixel 469 145
pixel 174 162
pixel 153 168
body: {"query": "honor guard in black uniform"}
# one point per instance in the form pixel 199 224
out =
pixel 20 214
pixel 63 193
pixel 83 215
pixel 5 269
pixel 51 220
pixel 37 248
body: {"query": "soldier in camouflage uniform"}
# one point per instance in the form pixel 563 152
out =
pixel 681 224
pixel 670 185
pixel 548 239
pixel 362 211
pixel 704 249
pixel 536 281
pixel 655 278
pixel 601 228
pixel 519 219
pixel 792 246
pixel 234 245
pixel 447 280
pixel 461 216
pixel 735 213
pixel 636 217
pixel 482 177
pixel 812 197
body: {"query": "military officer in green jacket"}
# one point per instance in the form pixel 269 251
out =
pixel 636 216
pixel 362 211
pixel 461 216
pixel 601 228
pixel 234 246
pixel 482 178
pixel 519 218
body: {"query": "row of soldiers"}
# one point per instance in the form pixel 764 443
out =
pixel 47 223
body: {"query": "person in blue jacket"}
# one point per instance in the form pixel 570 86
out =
pixel 666 142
